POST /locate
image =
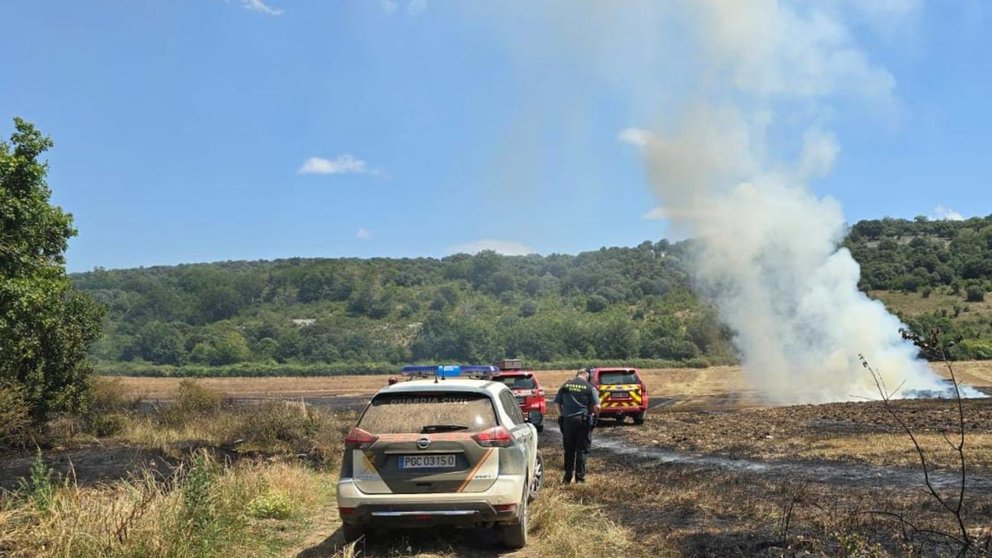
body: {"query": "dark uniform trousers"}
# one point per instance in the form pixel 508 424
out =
pixel 575 433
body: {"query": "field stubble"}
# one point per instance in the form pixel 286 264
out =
pixel 201 475
pixel 277 461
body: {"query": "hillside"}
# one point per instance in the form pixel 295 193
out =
pixel 611 304
pixel 932 274
pixel 615 303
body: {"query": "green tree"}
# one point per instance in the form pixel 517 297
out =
pixel 974 293
pixel 46 325
pixel 160 343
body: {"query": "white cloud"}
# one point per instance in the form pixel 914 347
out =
pixel 259 6
pixel 416 7
pixel 942 213
pixel 505 247
pixel 388 6
pixel 634 136
pixel 342 164
pixel 363 234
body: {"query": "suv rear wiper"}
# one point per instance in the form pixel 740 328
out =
pixel 442 428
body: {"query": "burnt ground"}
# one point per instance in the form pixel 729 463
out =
pixel 714 476
pixel 858 433
pixel 833 479
pixel 86 466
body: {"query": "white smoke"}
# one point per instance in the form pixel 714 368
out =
pixel 769 255
pixel 731 103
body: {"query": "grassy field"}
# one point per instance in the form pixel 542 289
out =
pixel 200 475
pixel 717 385
pixel 687 382
pixel 914 304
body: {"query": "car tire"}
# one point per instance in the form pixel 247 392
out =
pixel 352 532
pixel 538 480
pixel 539 427
pixel 639 417
pixel 515 534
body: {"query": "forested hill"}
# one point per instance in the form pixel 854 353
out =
pixel 610 304
pixel 614 303
pixel 933 274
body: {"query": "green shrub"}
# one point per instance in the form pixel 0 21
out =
pixel 109 395
pixel 15 416
pixel 271 505
pixel 109 403
pixel 39 485
pixel 279 421
pixel 974 293
pixel 192 401
pixel 193 398
pixel 105 425
pixel 973 349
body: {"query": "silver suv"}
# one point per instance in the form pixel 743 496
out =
pixel 440 452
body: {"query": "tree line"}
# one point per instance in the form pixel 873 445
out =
pixel 942 268
pixel 614 303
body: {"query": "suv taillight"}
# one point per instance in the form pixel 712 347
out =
pixel 359 439
pixel 644 389
pixel 496 437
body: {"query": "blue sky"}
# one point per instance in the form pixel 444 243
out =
pixel 205 130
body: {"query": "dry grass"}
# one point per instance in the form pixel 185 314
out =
pixel 696 387
pixel 569 524
pixel 198 513
pixel 217 497
pixel 218 502
pixel 913 304
pixel 976 373
pixel 201 417
pixel 252 388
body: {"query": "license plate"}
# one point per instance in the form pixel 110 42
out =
pixel 619 395
pixel 429 461
pixel 521 399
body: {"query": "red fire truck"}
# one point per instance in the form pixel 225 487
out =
pixel 526 388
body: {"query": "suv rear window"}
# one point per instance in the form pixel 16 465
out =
pixel 518 382
pixel 400 413
pixel 621 377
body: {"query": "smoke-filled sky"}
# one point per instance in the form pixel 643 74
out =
pixel 243 129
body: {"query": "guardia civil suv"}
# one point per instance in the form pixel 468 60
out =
pixel 441 450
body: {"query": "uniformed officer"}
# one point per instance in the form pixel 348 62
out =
pixel 578 406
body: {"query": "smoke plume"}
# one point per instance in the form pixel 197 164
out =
pixel 732 103
pixel 769 253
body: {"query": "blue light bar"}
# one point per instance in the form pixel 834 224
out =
pixel 448 370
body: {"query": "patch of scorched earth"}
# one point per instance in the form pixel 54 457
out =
pixel 860 432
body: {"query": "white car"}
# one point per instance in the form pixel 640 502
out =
pixel 441 451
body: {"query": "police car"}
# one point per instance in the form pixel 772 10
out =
pixel 441 449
